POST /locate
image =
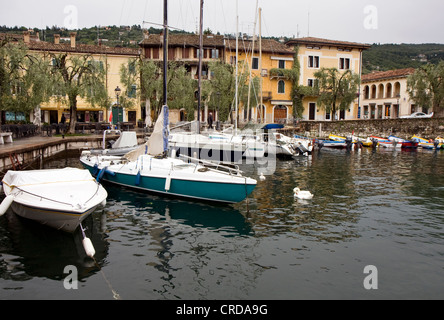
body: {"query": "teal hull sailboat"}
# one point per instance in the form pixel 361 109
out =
pixel 148 168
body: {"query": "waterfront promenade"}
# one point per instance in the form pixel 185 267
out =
pixel 26 150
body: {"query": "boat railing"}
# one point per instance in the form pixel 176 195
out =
pixel 216 166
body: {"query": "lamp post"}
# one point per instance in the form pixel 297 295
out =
pixel 217 114
pixel 117 109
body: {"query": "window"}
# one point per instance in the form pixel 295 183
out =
pixel 313 61
pixel 255 65
pixel 96 65
pixel 186 53
pixel 281 64
pixel 233 60
pixel 281 86
pixel 313 82
pixel 132 67
pixel 344 63
pixel 327 115
pixel 215 54
pixel 132 91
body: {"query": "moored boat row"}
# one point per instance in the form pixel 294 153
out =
pixel 391 142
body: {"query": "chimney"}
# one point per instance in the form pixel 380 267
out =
pixel 73 39
pixel 146 34
pixel 26 37
pixel 56 39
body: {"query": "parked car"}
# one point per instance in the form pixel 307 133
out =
pixel 418 115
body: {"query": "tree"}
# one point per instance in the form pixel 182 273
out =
pixel 24 80
pixel 181 89
pixel 426 86
pixel 220 88
pixel 336 90
pixel 79 76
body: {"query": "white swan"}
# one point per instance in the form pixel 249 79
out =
pixel 302 194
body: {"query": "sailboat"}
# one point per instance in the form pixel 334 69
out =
pixel 149 168
pixel 253 142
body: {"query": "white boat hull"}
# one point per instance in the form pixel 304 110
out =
pixel 59 198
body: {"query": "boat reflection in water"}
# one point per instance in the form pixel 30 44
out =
pixel 125 202
pixel 34 250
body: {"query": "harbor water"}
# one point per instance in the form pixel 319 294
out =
pixel 373 230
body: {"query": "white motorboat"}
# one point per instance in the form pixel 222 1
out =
pixel 59 198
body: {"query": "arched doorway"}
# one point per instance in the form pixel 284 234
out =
pixel 280 114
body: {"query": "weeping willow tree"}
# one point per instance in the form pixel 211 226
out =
pixel 79 77
pixel 181 89
pixel 220 89
pixel 142 79
pixel 426 86
pixel 336 90
pixel 24 78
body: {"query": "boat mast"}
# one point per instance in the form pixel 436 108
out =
pixel 165 110
pixel 165 50
pixel 237 67
pixel 261 107
pixel 251 64
pixel 199 93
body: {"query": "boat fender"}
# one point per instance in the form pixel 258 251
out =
pixel 168 183
pixel 88 246
pixel 137 178
pixel 100 174
pixel 95 169
pixel 103 203
pixel 6 203
pixel 111 173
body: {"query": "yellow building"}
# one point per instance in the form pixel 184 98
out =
pixel 110 58
pixel 269 59
pixel 276 89
pixel 316 53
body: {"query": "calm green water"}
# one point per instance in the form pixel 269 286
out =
pixel 381 208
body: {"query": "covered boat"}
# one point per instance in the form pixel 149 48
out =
pixel 59 198
pixel 126 142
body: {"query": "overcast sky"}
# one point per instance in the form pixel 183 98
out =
pixel 364 21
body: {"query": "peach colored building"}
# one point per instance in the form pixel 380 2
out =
pixel 316 53
pixel 384 95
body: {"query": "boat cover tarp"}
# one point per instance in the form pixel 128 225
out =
pixel 126 139
pixel 38 177
pixel 261 126
pixel 155 144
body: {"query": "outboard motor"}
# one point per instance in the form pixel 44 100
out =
pixel 348 142
pixel 374 143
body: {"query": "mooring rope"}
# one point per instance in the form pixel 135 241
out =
pixel 116 296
